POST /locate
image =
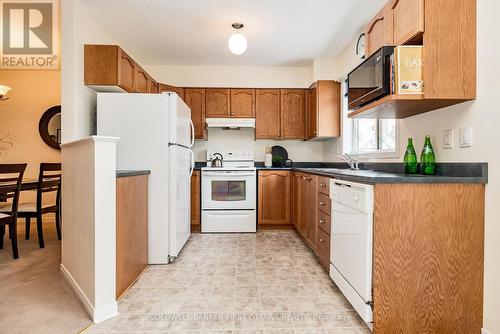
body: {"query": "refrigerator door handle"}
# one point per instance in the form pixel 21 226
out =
pixel 192 132
pixel 192 163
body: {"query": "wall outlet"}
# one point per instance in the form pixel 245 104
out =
pixel 448 139
pixel 465 137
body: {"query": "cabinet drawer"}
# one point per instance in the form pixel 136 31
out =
pixel 324 203
pixel 324 222
pixel 324 248
pixel 324 185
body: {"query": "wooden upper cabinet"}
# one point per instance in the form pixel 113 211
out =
pixel 162 88
pixel 274 197
pixel 379 32
pixel 141 80
pixel 293 113
pixel 126 72
pixel 324 109
pixel 267 118
pixel 408 16
pixel 312 112
pixel 107 68
pixel 217 102
pixel 195 99
pixel 153 86
pixel 243 103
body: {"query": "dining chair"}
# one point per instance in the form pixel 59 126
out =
pixel 11 176
pixel 49 181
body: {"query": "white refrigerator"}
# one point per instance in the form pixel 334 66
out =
pixel 156 133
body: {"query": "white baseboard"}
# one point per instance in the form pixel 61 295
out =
pixel 97 314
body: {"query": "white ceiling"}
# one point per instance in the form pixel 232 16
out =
pixel 195 32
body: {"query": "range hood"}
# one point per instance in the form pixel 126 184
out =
pixel 230 123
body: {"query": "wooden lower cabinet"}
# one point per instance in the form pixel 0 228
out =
pixel 195 201
pixel 323 248
pixel 131 230
pixel 428 258
pixel 295 216
pixel 274 198
pixel 312 212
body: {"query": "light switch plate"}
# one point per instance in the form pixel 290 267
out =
pixel 448 139
pixel 465 137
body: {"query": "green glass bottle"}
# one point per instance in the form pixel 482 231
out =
pixel 428 158
pixel 411 164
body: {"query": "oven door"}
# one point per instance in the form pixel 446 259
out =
pixel 228 190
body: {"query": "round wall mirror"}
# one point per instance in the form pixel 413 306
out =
pixel 50 127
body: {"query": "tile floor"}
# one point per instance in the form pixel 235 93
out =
pixel 269 282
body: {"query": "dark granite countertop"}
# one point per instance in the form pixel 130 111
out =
pixel 126 173
pixel 373 173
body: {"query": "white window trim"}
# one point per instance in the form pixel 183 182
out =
pixel 349 133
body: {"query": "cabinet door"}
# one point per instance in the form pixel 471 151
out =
pixel 267 116
pixel 295 216
pixel 217 102
pixel 312 112
pixel 195 99
pixel 243 103
pixel 153 87
pixel 293 113
pixel 126 72
pixel 379 31
pixel 323 249
pixel 274 197
pixel 303 205
pixel 141 81
pixel 312 212
pixel 195 201
pixel 327 109
pixel 408 16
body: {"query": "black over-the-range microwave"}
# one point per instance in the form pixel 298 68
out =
pixel 371 79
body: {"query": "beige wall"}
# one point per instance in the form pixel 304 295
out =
pixel 482 114
pixel 32 93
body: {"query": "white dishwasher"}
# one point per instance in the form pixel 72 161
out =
pixel 351 243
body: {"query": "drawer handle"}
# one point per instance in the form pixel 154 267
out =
pixel 322 185
pixel 321 221
pixel 322 203
pixel 322 240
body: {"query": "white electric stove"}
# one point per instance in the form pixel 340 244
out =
pixel 229 193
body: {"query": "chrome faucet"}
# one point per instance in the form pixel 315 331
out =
pixel 352 162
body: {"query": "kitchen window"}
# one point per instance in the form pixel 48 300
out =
pixel 369 137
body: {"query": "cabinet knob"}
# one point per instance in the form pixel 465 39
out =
pixel 321 221
pixel 322 240
pixel 322 203
pixel 322 185
pixel 232 114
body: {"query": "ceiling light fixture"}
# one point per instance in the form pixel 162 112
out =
pixel 237 43
pixel 3 91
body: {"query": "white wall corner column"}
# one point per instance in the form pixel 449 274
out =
pixel 89 229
